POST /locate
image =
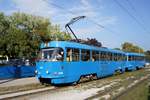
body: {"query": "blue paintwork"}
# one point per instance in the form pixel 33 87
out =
pixel 10 71
pixel 68 72
pixel 133 65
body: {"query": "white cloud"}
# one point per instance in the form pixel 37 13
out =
pixel 36 7
pixel 107 20
pixel 85 8
pixel 61 16
pixel 85 2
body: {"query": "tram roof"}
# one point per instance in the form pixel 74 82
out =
pixel 70 44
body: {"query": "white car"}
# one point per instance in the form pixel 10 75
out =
pixel 147 64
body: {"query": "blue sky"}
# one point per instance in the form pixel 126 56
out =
pixel 105 12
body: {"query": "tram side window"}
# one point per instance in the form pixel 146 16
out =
pixel 85 55
pixel 75 55
pixel 141 58
pixel 133 58
pixel 115 57
pixel 107 56
pixel 95 56
pixel 69 54
pixel 110 56
pixel 119 57
pixel 72 54
pixel 124 57
pixel 102 56
pixel 136 58
pixel 129 58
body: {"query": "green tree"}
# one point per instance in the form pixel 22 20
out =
pixel 129 47
pixel 21 34
pixel 117 48
pixel 4 26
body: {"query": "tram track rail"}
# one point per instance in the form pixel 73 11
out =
pixel 24 93
pixel 30 93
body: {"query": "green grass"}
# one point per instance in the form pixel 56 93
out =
pixel 140 92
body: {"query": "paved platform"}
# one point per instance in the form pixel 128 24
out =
pixel 17 82
pixel 13 95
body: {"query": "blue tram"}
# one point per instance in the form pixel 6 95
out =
pixel 66 62
pixel 135 61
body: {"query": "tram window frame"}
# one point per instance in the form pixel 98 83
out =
pixel 120 57
pixel 103 56
pixel 136 58
pixel 74 56
pixel 112 59
pixel 143 58
pixel 109 56
pixel 85 55
pixel 115 57
pixel 139 58
pixel 95 55
pixel 124 57
pixel 129 58
pixel 132 58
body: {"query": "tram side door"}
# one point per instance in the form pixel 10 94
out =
pixel 104 67
pixel 104 64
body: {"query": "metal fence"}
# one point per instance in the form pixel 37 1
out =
pixel 16 71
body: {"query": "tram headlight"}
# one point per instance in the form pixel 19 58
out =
pixel 36 71
pixel 47 72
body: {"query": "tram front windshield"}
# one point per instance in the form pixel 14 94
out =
pixel 52 54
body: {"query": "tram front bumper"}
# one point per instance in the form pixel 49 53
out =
pixel 48 74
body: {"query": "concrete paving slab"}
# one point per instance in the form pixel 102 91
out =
pixel 17 82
